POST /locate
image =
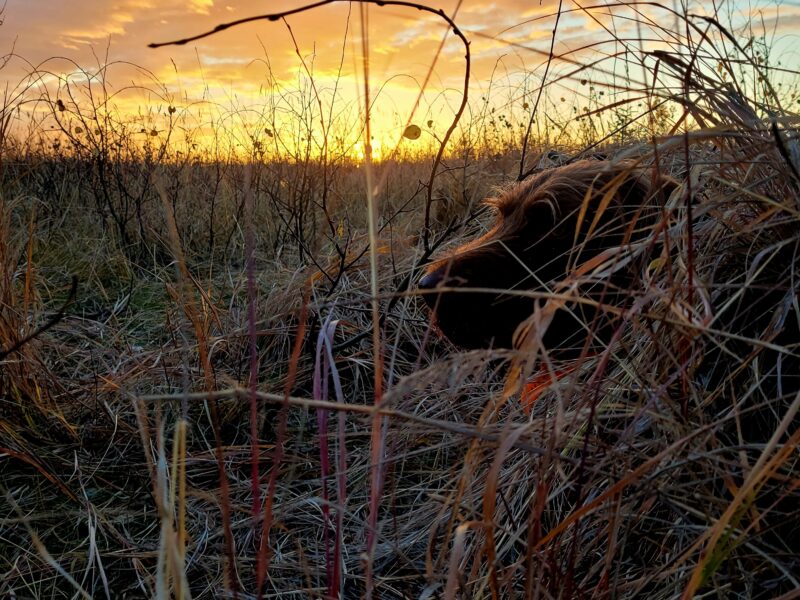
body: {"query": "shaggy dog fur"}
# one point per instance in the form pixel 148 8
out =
pixel 545 228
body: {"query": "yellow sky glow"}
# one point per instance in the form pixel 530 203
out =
pixel 263 83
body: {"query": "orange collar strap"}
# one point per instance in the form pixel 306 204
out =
pixel 540 383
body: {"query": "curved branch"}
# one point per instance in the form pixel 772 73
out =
pixel 438 12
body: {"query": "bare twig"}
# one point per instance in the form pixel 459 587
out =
pixel 421 7
pixel 363 409
pixel 52 321
pixel 522 174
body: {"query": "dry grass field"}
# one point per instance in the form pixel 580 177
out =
pixel 188 366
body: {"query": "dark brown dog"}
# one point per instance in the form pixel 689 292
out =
pixel 536 243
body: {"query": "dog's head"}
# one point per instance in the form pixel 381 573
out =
pixel 544 228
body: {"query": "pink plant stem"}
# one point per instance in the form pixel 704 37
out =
pixel 255 489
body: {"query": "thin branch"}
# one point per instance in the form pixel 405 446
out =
pixel 550 58
pixel 52 321
pixel 363 409
pixel 272 17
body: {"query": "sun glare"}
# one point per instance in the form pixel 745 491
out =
pixel 297 95
pixel 359 151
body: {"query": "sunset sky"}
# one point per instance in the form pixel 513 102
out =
pixel 236 68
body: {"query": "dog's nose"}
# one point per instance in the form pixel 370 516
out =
pixel 431 280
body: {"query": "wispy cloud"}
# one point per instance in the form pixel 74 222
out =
pixel 202 7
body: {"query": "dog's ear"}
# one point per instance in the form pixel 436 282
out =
pixel 542 214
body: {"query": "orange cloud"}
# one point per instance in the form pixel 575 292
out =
pixel 202 7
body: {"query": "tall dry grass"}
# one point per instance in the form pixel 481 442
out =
pixel 198 418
